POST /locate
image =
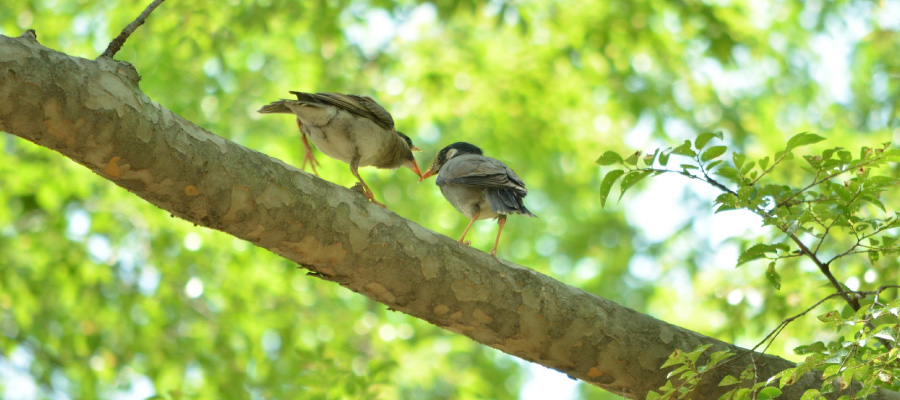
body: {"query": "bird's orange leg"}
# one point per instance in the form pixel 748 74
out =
pixel 474 218
pixel 500 221
pixel 308 157
pixel 367 191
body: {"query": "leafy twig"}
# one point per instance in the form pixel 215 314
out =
pixel 117 43
pixel 823 267
pixel 827 177
pixel 774 163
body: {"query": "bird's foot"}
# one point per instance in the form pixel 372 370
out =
pixel 311 159
pixel 367 193
pixel 493 252
pixel 371 197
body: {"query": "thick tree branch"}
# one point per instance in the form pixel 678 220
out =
pixel 94 113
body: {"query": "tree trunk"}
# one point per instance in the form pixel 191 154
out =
pixel 94 113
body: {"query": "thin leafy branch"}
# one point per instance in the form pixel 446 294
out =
pixel 764 200
pixel 689 372
pixel 821 208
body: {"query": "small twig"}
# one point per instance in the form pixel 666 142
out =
pixel 774 163
pixel 117 43
pixel 827 177
pixel 707 179
pixel 824 234
pixel 823 267
pixel 774 334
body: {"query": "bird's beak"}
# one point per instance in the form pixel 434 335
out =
pixel 429 172
pixel 415 168
pixel 414 148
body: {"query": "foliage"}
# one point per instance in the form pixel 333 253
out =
pixel 93 284
pixel 869 355
pixel 843 196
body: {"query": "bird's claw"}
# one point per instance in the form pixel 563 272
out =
pixel 311 159
pixel 367 193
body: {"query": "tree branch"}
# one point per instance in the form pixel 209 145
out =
pixel 94 113
pixel 117 43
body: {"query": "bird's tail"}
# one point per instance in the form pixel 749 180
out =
pixel 524 211
pixel 306 97
pixel 276 107
pixel 506 201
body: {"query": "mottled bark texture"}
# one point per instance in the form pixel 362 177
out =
pixel 94 113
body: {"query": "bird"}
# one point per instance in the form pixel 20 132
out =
pixel 479 187
pixel 351 128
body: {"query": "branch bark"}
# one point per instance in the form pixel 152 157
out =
pixel 93 112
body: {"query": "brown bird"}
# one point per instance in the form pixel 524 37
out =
pixel 353 129
pixel 479 187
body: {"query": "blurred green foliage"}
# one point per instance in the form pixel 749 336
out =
pixel 830 211
pixel 101 293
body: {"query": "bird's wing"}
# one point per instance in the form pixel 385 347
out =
pixel 481 171
pixel 361 106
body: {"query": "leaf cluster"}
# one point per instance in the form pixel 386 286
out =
pixel 834 193
pixel 839 189
pixel 859 354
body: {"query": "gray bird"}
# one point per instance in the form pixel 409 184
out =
pixel 479 187
pixel 353 129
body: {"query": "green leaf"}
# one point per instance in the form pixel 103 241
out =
pixel 845 156
pixel 803 139
pixel 694 355
pixel 633 159
pixel 817 347
pixel 758 251
pixel 728 380
pixel 831 370
pixel 730 173
pixel 607 183
pixel 609 158
pixel 874 201
pixel 648 158
pixel 814 161
pixel 811 394
pixel 763 163
pixel 677 357
pixel 713 152
pixel 873 257
pixel 741 394
pixel 865 153
pixel 768 393
pixel 892 155
pixel 664 156
pixel 713 164
pixel 738 159
pixel 826 155
pixel 773 277
pixel 831 316
pixel 705 138
pixel 749 166
pixel 684 149
pixel 630 179
pixel 718 356
pixel 883 181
